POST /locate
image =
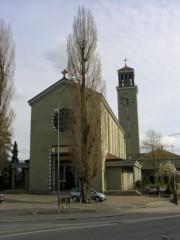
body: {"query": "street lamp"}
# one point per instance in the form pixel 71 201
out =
pixel 174 187
pixel 56 123
pixel 58 175
pixel 173 165
pixel 57 117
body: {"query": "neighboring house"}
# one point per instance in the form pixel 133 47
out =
pixel 151 161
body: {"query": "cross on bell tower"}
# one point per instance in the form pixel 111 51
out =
pixel 125 60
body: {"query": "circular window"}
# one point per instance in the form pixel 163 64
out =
pixel 66 119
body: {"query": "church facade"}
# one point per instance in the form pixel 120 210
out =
pixel 48 147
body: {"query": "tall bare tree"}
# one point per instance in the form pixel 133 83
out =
pixel 151 142
pixel 7 66
pixel 84 65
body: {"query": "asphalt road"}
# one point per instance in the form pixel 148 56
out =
pixel 139 226
pixel 119 217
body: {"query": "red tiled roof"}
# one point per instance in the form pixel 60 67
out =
pixel 160 153
pixel 110 156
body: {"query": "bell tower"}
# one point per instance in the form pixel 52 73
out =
pixel 128 109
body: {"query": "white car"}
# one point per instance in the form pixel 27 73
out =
pixel 96 196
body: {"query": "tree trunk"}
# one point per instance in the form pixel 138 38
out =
pixel 83 187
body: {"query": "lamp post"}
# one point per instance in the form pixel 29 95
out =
pixel 64 72
pixel 174 187
pixel 173 165
pixel 56 123
pixel 58 175
pixel 56 126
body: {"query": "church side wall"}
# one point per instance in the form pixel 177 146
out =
pixel 113 142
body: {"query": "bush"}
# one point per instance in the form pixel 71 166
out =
pixel 146 179
pixel 169 189
pixel 138 184
pixel 144 184
pixel 176 186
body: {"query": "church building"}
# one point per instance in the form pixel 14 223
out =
pixel 51 150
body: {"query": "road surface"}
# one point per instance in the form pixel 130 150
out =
pixel 141 226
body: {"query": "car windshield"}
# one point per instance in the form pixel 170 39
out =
pixel 93 191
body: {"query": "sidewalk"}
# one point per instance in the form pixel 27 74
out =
pixel 26 207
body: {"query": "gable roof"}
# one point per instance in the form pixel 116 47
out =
pixel 48 90
pixel 159 153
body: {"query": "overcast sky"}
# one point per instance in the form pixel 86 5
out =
pixel 145 32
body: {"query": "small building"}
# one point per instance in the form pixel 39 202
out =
pixel 20 180
pixel 121 175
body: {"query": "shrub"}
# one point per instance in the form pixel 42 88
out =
pixel 176 186
pixel 169 189
pixel 144 184
pixel 146 179
pixel 138 184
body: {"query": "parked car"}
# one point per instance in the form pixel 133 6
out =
pixel 153 189
pixel 96 196
pixel 1 197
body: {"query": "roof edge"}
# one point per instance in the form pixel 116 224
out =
pixel 47 90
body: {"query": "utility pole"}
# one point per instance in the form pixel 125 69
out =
pixel 175 192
